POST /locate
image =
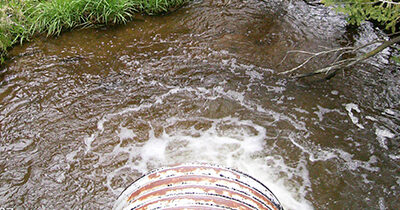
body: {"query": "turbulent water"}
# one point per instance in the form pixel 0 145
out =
pixel 84 114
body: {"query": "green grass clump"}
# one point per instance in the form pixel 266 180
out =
pixel 12 25
pixel 152 7
pixel 20 19
pixel 54 16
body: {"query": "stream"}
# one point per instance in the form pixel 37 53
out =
pixel 84 114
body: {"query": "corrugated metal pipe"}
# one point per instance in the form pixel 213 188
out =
pixel 197 186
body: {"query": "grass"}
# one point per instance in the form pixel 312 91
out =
pixel 12 26
pixel 22 19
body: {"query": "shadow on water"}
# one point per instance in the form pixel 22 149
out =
pixel 84 114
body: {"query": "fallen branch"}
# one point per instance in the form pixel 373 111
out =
pixel 339 63
pixel 313 55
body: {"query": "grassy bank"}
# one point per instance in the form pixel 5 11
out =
pixel 21 19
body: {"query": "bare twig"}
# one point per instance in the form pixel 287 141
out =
pixel 313 55
pixel 374 2
pixel 395 33
pixel 340 63
pixel 294 51
pixel 333 67
pixel 389 2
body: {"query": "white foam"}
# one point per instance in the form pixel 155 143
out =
pixel 354 165
pixel 316 153
pixel 382 203
pixel 228 141
pixel 354 119
pixel 389 111
pixel 335 92
pixel 371 118
pixel 322 111
pixel 154 150
pixel 382 135
pixel 125 133
pixel 365 179
pixel 88 141
pixel 254 75
pixel 395 157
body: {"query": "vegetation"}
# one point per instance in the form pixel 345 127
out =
pixel 21 19
pixel 12 22
pixel 386 13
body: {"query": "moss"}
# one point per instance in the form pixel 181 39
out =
pixel 21 19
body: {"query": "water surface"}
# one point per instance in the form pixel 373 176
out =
pixel 84 114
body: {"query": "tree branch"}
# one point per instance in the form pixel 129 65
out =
pixel 313 55
pixel 339 64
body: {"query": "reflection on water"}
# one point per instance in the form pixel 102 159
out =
pixel 85 114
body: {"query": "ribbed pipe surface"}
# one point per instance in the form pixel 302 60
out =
pixel 197 186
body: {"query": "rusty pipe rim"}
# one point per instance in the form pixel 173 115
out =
pixel 197 186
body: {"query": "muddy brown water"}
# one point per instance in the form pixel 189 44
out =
pixel 84 114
